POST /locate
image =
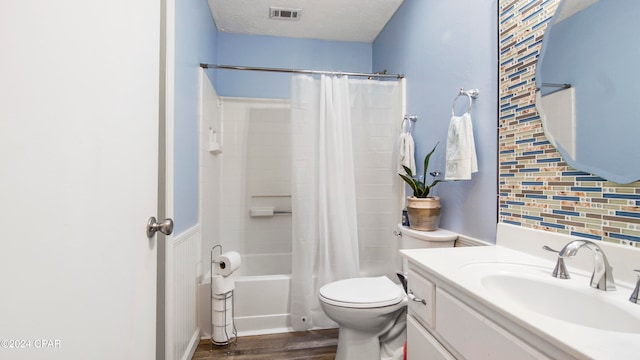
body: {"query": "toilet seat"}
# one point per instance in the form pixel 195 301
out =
pixel 368 292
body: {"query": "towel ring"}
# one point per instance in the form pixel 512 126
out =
pixel 470 94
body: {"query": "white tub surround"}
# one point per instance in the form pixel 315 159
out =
pixel 544 318
pixel 261 305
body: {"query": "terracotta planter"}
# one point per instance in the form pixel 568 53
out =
pixel 423 212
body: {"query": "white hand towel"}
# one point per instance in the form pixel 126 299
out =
pixel 407 157
pixel 461 157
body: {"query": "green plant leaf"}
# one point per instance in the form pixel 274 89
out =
pixel 408 171
pixel 412 183
pixel 426 161
pixel 422 191
pixel 434 183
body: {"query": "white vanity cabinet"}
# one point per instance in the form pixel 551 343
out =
pixel 502 302
pixel 442 326
pixel 422 345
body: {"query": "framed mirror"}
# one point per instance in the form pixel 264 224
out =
pixel 592 46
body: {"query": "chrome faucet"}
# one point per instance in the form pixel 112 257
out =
pixel 602 278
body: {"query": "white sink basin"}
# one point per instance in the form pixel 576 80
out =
pixel 532 288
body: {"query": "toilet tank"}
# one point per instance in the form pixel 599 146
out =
pixel 415 239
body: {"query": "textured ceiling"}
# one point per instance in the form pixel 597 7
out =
pixel 339 20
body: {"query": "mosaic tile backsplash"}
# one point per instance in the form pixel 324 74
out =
pixel 537 188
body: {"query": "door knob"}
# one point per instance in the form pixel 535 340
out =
pixel 165 227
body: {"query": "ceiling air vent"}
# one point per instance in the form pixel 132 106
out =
pixel 284 14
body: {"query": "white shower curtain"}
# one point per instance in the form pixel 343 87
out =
pixel 325 225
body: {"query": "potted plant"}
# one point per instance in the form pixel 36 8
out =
pixel 423 210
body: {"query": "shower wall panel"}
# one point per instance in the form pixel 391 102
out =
pixel 268 188
pixel 256 174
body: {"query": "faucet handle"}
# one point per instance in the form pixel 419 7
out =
pixel 560 271
pixel 634 295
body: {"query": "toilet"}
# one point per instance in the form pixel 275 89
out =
pixel 368 308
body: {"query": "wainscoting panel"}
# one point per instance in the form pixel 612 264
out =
pixel 183 324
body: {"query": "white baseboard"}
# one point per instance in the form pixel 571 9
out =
pixel 193 344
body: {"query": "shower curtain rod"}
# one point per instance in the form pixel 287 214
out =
pixel 298 71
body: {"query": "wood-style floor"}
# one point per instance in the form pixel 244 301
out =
pixel 315 345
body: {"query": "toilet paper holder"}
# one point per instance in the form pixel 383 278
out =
pixel 219 253
pixel 213 261
pixel 226 263
pixel 222 309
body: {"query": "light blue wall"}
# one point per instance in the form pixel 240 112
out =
pixel 439 45
pixel 195 42
pixel 442 46
pixel 288 53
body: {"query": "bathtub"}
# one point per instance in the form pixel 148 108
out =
pixel 261 305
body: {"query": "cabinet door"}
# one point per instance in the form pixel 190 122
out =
pixel 422 296
pixel 474 336
pixel 422 345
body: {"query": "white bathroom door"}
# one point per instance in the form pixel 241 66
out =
pixel 79 90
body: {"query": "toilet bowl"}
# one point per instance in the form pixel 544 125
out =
pixel 365 309
pixel 368 308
